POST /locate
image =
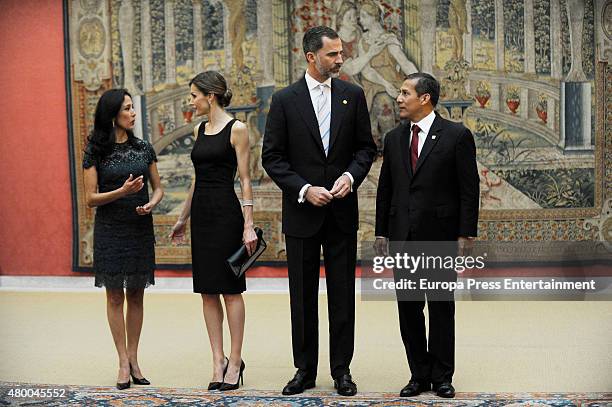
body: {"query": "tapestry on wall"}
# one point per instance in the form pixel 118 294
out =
pixel 529 77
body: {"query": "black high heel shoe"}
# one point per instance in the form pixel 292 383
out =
pixel 217 385
pixel 125 385
pixel 142 382
pixel 228 386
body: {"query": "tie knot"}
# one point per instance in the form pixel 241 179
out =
pixel 415 129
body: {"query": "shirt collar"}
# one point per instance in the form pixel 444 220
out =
pixel 312 83
pixel 425 123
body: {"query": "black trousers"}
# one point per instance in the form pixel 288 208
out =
pixel 433 360
pixel 303 258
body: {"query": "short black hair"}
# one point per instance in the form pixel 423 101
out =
pixel 313 38
pixel 426 84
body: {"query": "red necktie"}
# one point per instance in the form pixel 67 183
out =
pixel 414 147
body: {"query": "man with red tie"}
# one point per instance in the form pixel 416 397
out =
pixel 428 190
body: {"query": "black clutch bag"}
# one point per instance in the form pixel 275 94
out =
pixel 240 261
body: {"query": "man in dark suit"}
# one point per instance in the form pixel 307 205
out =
pixel 428 190
pixel 318 148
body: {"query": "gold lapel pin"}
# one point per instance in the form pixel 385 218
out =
pixel 344 102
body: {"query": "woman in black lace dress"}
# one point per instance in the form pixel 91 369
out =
pixel 218 226
pixel 117 168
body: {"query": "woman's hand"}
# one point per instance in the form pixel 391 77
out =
pixel 132 185
pixel 249 237
pixel 145 209
pixel 177 236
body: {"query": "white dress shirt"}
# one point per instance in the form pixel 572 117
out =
pixel 315 90
pixel 424 124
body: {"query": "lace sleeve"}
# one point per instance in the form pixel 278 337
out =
pixel 89 160
pixel 150 154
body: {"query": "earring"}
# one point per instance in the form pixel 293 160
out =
pixel 113 122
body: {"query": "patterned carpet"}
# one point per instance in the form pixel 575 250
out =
pixel 143 396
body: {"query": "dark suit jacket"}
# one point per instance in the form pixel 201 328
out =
pixel 440 200
pixel 293 153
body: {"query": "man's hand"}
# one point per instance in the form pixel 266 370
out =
pixel 318 196
pixel 341 187
pixel 381 246
pixel 464 245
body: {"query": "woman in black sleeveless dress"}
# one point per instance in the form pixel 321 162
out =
pixel 117 168
pixel 218 226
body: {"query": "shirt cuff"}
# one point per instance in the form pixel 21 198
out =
pixel 380 237
pixel 301 197
pixel 348 174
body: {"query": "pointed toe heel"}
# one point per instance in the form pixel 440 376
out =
pixel 140 381
pixel 217 385
pixel 214 385
pixel 123 386
pixel 234 386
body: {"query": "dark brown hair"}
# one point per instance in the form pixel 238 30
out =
pixel 213 82
pixel 313 38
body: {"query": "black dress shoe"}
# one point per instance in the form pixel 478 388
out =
pixel 216 385
pixel 445 390
pixel 300 382
pixel 414 388
pixel 345 385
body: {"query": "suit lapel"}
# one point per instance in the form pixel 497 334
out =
pixel 337 110
pixel 404 136
pixel 432 138
pixel 307 111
